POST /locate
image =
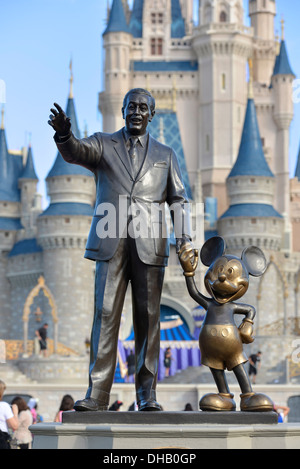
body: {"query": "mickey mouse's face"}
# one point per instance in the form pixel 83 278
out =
pixel 227 279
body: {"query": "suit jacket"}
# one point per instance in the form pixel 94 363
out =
pixel 158 182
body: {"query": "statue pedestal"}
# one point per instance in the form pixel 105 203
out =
pixel 166 430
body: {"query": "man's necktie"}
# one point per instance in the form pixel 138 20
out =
pixel 133 153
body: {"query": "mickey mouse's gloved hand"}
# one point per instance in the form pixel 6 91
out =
pixel 188 257
pixel 246 331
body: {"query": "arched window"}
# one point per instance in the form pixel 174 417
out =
pixel 223 17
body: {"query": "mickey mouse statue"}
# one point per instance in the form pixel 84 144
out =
pixel 221 341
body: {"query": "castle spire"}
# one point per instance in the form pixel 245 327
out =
pixel 136 19
pixel 29 170
pixel 8 169
pixel 251 159
pixel 117 19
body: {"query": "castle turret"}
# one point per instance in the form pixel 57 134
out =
pixel 282 85
pixel 222 44
pixel 30 200
pixel 117 40
pixel 10 224
pixel 262 14
pixel 251 217
pixel 295 206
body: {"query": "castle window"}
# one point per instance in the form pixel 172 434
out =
pixel 207 143
pixel 156 46
pixel 67 220
pixel 253 221
pixel 223 81
pixel 157 18
pixel 223 17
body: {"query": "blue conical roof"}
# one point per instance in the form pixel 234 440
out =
pixel 297 170
pixel 60 166
pixel 29 170
pixel 177 25
pixel 117 19
pixel 251 159
pixel 282 63
pixel 9 172
pixel 136 19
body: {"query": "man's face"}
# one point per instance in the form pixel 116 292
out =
pixel 137 113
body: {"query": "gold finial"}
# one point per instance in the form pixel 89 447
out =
pixel 282 28
pixel 2 118
pixel 71 80
pixel 250 86
pixel 41 281
pixel 277 41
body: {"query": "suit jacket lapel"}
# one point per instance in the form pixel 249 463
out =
pixel 120 148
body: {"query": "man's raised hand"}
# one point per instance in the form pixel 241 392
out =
pixel 59 121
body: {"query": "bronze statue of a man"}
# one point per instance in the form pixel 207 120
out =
pixel 129 165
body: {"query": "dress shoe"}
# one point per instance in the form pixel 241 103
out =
pixel 255 402
pixel 90 404
pixel 149 405
pixel 217 402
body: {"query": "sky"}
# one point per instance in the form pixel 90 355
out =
pixel 39 38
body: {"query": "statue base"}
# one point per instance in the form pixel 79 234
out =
pixel 133 431
pixel 170 418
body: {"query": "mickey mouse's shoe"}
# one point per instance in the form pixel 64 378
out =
pixel 252 402
pixel 217 402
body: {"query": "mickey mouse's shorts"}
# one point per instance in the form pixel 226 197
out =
pixel 221 347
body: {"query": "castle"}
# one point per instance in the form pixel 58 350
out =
pixel 223 94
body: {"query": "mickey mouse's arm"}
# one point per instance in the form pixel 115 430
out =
pixel 188 258
pixel 247 310
pixel 246 327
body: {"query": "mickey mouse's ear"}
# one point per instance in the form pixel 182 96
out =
pixel 212 249
pixel 254 260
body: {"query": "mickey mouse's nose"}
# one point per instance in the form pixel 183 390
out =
pixel 222 277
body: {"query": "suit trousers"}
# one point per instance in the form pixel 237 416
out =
pixel 111 282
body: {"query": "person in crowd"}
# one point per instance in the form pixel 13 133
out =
pixel 167 361
pixel 116 406
pixel 8 419
pixel 130 365
pixel 22 437
pixel 282 412
pixel 254 365
pixel 41 334
pixel 188 407
pixel 67 403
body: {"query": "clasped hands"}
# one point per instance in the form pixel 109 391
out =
pixel 188 257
